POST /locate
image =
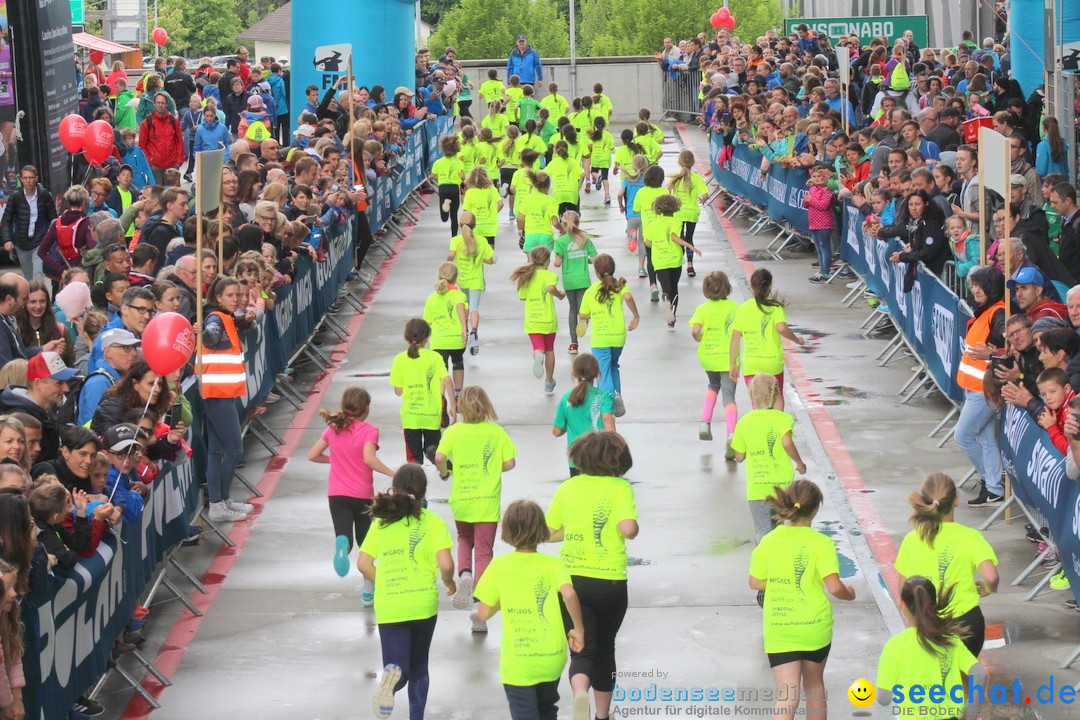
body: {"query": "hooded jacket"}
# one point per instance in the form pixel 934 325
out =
pixel 14 398
pixel 162 140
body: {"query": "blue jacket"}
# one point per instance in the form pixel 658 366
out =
pixel 141 173
pixel 527 67
pixel 1045 164
pixel 94 388
pixel 432 101
pixel 211 91
pixel 277 88
pixel 125 498
pixel 211 136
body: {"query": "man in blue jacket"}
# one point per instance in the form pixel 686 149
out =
pixel 524 62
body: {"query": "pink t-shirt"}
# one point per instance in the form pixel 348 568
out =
pixel 349 474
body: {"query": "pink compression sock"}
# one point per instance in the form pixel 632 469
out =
pixel 731 414
pixel 709 406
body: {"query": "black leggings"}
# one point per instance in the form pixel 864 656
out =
pixel 407 645
pixel 417 440
pixel 456 357
pixel 976 625
pixel 669 283
pixel 364 238
pixel 350 517
pixel 688 236
pixel 452 193
pixel 603 607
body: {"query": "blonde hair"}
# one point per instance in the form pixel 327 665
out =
pixel 686 164
pixel 539 257
pixel 448 274
pixel 763 391
pixel 638 166
pixel 934 499
pixel 475 406
pixel 467 221
pixel 570 220
pixel 8 421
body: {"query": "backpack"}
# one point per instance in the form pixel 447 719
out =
pixel 67 414
pixel 65 240
pixel 257 132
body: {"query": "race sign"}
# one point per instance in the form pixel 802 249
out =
pixel 331 61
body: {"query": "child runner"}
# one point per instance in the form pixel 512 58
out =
pixel 514 92
pixel 689 188
pixel 478 451
pixel 531 139
pixel 536 285
pixel 603 303
pixel 411 545
pixel 538 214
pixel 643 135
pixel 353 444
pixel 643 205
pixel 483 201
pixel 927 654
pixel 632 180
pixel 711 326
pixel 495 121
pixel 554 103
pixel 566 174
pixel 419 378
pixel 584 409
pixel 601 146
pixel 951 555
pixel 527 107
pixel 526 586
pixel 601 102
pixel 492 89
pixel 487 151
pixel 470 258
pixel 791 566
pixel 593 515
pixel 520 185
pixel 764 438
pixel 573 253
pixel 663 236
pixel 624 155
pixel 508 158
pixel 762 321
pixel 470 147
pixel 446 312
pixel 449 172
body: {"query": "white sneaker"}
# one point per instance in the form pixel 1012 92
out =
pixel 383 702
pixel 463 597
pixel 619 408
pixel 478 625
pixel 854 284
pixel 669 313
pixel 504 190
pixel 239 506
pixel 446 205
pixel 538 365
pixel 581 705
pixel 220 512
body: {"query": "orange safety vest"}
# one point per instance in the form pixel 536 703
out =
pixel 970 374
pixel 222 371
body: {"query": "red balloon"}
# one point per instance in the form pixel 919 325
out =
pixel 724 13
pixel 168 343
pixel 715 20
pixel 72 132
pixel 98 142
pixel 729 23
pixel 96 56
pixel 160 36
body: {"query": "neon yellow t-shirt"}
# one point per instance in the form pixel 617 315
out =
pixel 513 95
pixel 603 105
pixel 565 179
pixel 643 203
pixel 533 142
pixel 556 106
pixel 665 252
pixel 491 90
pixel 956 554
pixel 652 148
pixel 470 267
pixel 496 123
pixel 716 318
pixel 762 348
pixel 468 156
pixel 539 209
pixel 758 435
pixel 486 156
pixel 582 121
pixel 624 158
pixel 904 662
pixel 420 380
pixel 406 569
pixel 440 312
pixel 525 586
pixel 576 151
pixel 601 151
pixel 690 210
pixel 448 170
pixel 484 204
pixel 795 561
pixel 656 135
pixel 607 320
pixel 521 185
pixel 589 509
pixel 478 451
pixel 539 303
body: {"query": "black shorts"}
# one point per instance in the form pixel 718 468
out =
pixel 817 656
pixel 455 357
pixel 506 174
pixel 602 172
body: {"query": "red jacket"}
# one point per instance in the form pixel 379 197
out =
pixel 1057 430
pixel 1048 309
pixel 162 141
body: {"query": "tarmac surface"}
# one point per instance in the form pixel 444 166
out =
pixel 285 637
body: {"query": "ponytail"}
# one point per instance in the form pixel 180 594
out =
pixel 596 134
pixel 539 257
pixel 604 266
pixel 540 180
pixel 761 287
pixel 404 499
pixel 562 150
pixel 468 231
pixel 934 499
pixel 570 226
pixel 585 370
pixel 355 402
pixel 417 332
pixel 682 177
pixel 448 273
pixel 798 501
pixel 935 628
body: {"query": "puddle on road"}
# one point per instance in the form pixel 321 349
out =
pixel 833 528
pixel 755 256
pixel 846 391
pixel 724 545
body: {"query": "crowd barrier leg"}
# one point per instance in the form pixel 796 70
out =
pixel 316 355
pixel 1068 663
pixel 264 427
pixel 1010 502
pixel 251 429
pixel 894 346
pixel 352 298
pixel 151 668
pixel 943 422
pixel 286 391
pixel 1041 585
pixel 162 580
pixel 1034 565
pixel 334 327
pixel 187 573
pixel 205 517
pixel 854 294
pixel 115 667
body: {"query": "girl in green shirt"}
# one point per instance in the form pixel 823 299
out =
pixel 483 201
pixel 419 378
pixel 538 214
pixel 690 188
pixel 603 304
pixel 710 326
pixel 547 130
pixel 586 408
pixel 663 236
pixel 470 258
pixel 509 159
pixel 574 252
pixel 566 175
pixel 537 285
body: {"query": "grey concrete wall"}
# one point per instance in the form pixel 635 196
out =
pixel 630 82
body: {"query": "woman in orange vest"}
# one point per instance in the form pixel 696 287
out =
pixel 976 430
pixel 223 379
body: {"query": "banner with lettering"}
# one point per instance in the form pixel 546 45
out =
pixel 780 191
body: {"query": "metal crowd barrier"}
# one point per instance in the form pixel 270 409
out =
pixel 681 90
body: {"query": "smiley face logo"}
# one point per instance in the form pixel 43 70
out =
pixel 862 693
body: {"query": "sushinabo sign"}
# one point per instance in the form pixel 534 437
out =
pixel 888 26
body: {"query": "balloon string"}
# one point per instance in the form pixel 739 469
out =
pixel 146 409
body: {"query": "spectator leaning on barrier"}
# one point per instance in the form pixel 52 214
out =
pixel 1027 286
pixel 46 386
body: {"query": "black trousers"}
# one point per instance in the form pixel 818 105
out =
pixel 453 194
pixel 350 517
pixel 416 441
pixel 603 607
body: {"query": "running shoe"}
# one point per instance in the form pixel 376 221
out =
pixel 631 244
pixel 549 387
pixel 538 364
pixel 88 706
pixel 383 702
pixel 446 205
pixel 504 189
pixel 572 350
pixel 641 273
pixel 607 199
pixel 671 325
pixel 1071 603
pixel 512 217
pixel 669 314
pixel 853 285
pixel 367 595
pixel 985 498
pixel 655 297
pixel 341 555
pixel 1059 581
pixel 819 279
pixel 729 452
pixel 581 706
pixel 588 189
pixel 463 597
pixel 619 408
pixel 704 431
pixel 690 272
pixel 478 625
pixel 474 343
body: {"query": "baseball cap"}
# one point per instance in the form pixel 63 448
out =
pixel 128 168
pixel 255 101
pixel 1027 276
pixel 402 89
pixel 445 59
pixel 283 60
pixel 264 87
pixel 119 336
pixel 1017 179
pixel 304 131
pixel 521 37
pixel 48 365
pixel 121 437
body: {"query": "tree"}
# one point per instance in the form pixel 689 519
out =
pixel 487 28
pixel 432 11
pixel 205 27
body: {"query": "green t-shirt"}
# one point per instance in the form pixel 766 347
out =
pixel 690 210
pixel 525 586
pixel 601 150
pixel 589 509
pixel 565 178
pixel 420 380
pixel 656 135
pixel 904 662
pixel 539 303
pixel 603 105
pixel 478 451
pixel 440 312
pixel 624 158
pixel 448 170
pixel 497 124
pixel 406 569
pixel 491 90
pixel 527 109
pixel 608 322
pixel 758 435
pixel 484 204
pixel 956 554
pixel 665 252
pixel 795 562
pixel 470 267
pixel 539 209
pixel 522 186
pixel 716 318
pixel 586 417
pixel 468 156
pixel 643 202
pixel 547 132
pixel 556 105
pixel 1053 220
pixel 509 154
pixel 575 261
pixel 762 347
